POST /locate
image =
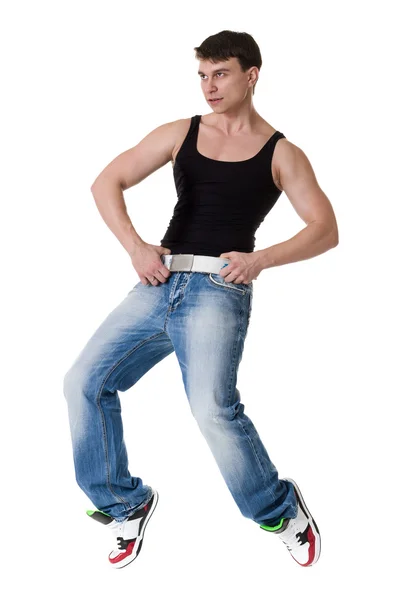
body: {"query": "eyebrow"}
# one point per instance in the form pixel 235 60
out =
pixel 215 71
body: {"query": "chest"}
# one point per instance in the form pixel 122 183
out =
pixel 229 149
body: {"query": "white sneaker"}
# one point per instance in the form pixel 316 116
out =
pixel 300 534
pixel 128 534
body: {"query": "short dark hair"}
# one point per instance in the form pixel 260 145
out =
pixel 231 44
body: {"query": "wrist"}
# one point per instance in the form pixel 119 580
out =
pixel 266 258
pixel 135 246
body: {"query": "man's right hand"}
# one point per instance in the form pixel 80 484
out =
pixel 146 260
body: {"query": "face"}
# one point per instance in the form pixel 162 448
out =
pixel 225 80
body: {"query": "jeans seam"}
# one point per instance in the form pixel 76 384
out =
pixel 240 421
pixel 99 406
pixel 235 366
pixel 254 451
pixel 249 309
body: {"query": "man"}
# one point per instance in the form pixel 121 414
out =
pixel 194 298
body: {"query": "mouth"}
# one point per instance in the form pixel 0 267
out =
pixel 215 100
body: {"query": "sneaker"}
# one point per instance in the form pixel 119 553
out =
pixel 128 534
pixel 300 534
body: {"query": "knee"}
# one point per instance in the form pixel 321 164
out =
pixel 68 383
pixel 73 382
pixel 216 415
pixel 77 396
pixel 206 416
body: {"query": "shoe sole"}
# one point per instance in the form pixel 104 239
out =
pixel 313 525
pixel 139 540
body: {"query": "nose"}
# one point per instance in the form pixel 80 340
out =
pixel 211 90
pixel 211 87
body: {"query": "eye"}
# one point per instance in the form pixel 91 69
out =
pixel 219 73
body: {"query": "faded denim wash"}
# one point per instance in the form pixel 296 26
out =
pixel 204 320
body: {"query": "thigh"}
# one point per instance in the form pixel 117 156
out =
pixel 208 330
pixel 129 341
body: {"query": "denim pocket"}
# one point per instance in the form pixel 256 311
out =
pixel 219 281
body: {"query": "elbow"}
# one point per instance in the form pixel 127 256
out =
pixel 334 237
pixel 102 181
pixel 95 185
pixel 98 182
pixel 332 232
pixel 329 234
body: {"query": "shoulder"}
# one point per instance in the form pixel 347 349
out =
pixel 181 128
pixel 177 127
pixel 182 125
pixel 289 161
pixel 287 152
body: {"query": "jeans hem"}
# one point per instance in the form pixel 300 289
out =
pixel 141 505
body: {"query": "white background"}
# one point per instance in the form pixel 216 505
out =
pixel 85 81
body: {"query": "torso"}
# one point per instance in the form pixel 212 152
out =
pixel 213 144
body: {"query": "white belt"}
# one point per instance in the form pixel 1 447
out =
pixel 194 262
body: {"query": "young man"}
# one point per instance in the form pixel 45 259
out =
pixel 194 298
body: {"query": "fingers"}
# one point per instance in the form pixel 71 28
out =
pixel 160 276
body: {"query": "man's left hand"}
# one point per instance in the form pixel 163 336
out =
pixel 243 267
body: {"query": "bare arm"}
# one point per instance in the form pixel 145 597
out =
pixel 126 170
pixel 298 181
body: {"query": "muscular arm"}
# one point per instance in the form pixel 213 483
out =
pixel 125 171
pixel 297 179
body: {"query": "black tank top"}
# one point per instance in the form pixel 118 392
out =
pixel 220 203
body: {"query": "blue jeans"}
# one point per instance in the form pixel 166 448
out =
pixel 204 320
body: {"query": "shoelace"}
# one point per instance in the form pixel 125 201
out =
pixel 116 531
pixel 290 536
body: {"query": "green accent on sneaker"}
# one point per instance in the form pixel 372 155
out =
pixel 91 512
pixel 274 527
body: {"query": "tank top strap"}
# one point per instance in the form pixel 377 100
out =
pixel 194 124
pixel 194 128
pixel 274 138
pixel 266 153
pixel 279 135
pixel 189 143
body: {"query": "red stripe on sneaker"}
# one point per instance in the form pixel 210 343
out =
pixel 311 550
pixel 123 555
pixel 311 540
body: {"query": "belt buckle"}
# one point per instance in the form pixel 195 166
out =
pixel 167 260
pixel 179 261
